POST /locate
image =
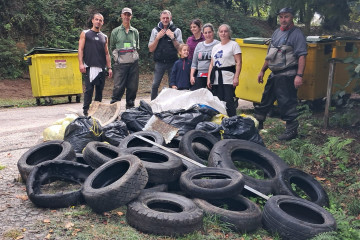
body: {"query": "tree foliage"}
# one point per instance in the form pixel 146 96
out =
pixel 58 23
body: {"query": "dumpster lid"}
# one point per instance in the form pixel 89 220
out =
pixel 39 50
pixel 347 38
pixel 257 40
pixel 319 39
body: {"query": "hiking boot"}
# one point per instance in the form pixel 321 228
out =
pixel 85 113
pixel 290 132
pixel 288 135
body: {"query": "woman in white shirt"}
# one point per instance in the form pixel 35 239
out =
pixel 225 68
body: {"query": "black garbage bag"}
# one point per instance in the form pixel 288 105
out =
pixel 114 132
pixel 186 120
pixel 210 127
pixel 136 118
pixel 241 128
pixel 81 131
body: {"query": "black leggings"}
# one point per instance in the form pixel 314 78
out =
pixel 226 93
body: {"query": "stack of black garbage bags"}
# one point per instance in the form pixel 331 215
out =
pixel 167 194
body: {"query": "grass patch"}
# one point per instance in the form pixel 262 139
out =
pixel 31 102
pixel 60 186
pixel 249 169
pixel 13 234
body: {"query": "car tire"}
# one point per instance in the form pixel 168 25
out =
pixel 295 218
pixel 241 214
pixel 196 145
pixel 305 182
pixel 98 153
pixel 132 141
pixel 115 183
pixel 50 150
pixel 162 166
pixel 50 171
pixel 228 151
pixel 164 214
pixel 234 187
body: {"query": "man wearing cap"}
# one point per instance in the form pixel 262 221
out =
pixel 164 41
pixel 286 59
pixel 124 43
pixel 93 56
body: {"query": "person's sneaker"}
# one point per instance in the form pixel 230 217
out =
pixel 129 106
pixel 236 102
pixel 288 135
pixel 261 125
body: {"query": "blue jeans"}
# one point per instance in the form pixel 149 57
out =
pixel 159 71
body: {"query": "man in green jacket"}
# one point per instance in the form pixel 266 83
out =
pixel 124 43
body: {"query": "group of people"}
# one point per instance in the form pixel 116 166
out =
pixel 201 62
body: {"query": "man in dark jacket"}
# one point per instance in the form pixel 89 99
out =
pixel 164 41
pixel 286 59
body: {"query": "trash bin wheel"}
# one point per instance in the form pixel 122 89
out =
pixel 78 97
pixel 69 98
pixel 48 101
pixel 38 101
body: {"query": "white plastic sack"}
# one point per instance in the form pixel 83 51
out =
pixel 170 99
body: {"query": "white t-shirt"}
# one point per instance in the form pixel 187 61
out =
pixel 223 56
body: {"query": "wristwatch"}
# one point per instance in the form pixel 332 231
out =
pixel 300 75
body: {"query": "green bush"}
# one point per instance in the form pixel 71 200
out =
pixel 11 58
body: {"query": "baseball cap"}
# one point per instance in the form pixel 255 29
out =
pixel 126 10
pixel 286 10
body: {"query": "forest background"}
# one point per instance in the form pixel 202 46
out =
pixel 58 23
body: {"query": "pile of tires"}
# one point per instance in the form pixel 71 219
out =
pixel 168 195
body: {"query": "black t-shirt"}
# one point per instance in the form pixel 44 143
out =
pixel 94 49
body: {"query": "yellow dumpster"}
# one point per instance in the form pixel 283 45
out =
pixel 54 73
pixel 315 76
pixel 253 54
pixel 317 69
pixel 344 48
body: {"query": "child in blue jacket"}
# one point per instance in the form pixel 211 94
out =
pixel 180 75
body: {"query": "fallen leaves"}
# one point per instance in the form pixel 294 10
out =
pixel 22 197
pixel 69 225
pixel 75 232
pixel 320 178
pixel 46 221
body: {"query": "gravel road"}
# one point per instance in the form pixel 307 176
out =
pixel 20 129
